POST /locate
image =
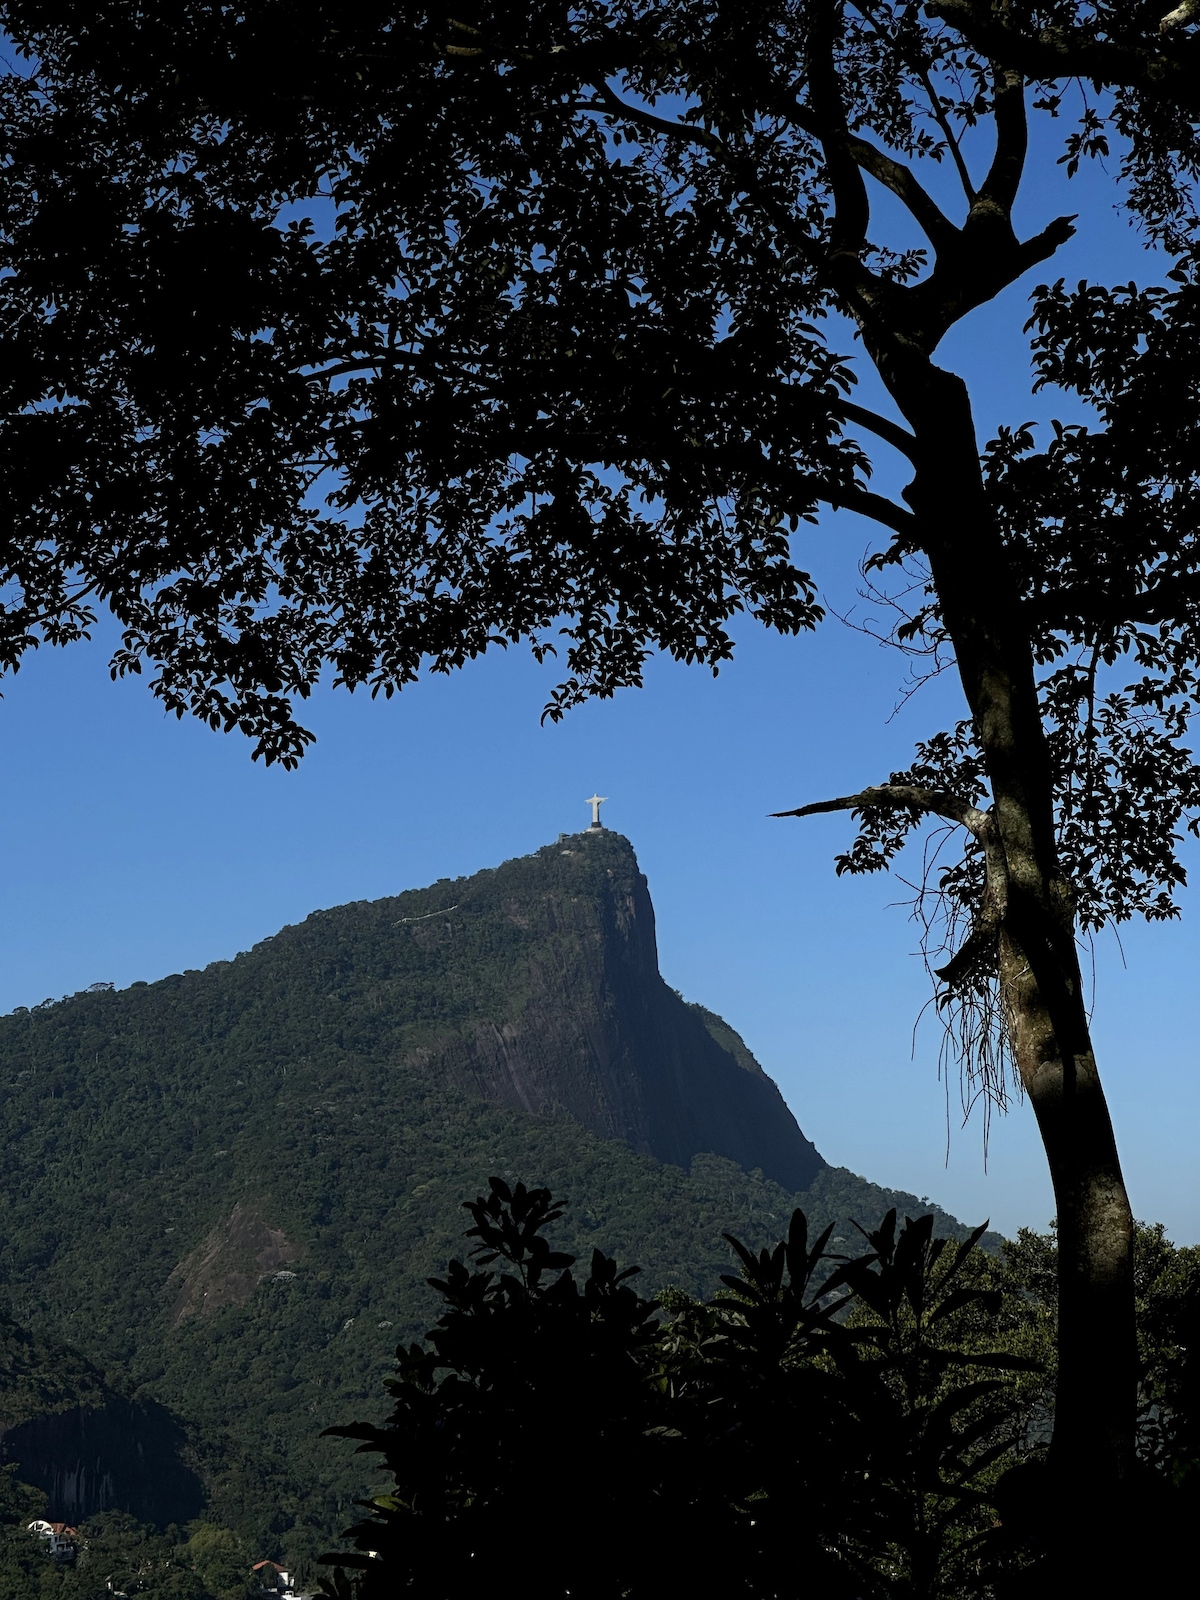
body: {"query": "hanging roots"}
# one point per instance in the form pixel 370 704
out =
pixel 975 1033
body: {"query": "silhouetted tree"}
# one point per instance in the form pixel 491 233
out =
pixel 555 1437
pixel 369 339
pixel 1147 56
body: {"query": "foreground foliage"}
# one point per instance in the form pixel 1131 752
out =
pixel 879 1421
pixel 873 1423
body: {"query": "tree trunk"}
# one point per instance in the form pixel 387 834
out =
pixel 1040 979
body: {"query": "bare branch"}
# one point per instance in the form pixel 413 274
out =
pixel 868 504
pixel 903 797
pixel 891 432
pixel 1043 245
pixel 875 506
pixel 894 175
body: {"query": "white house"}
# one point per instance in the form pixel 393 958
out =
pixel 60 1539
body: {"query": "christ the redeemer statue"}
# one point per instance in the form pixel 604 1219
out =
pixel 596 802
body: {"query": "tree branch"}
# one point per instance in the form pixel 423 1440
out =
pixel 988 259
pixel 1169 73
pixel 885 169
pixel 918 68
pixel 1043 245
pixel 869 504
pixel 1012 142
pixel 947 132
pixel 971 264
pixel 1182 14
pixel 383 358
pixel 851 203
pixel 647 119
pixel 891 432
pixel 902 797
pixel 68 604
pixel 1169 600
pixel 939 802
pixel 894 175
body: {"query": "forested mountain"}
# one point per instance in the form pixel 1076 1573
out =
pixel 228 1188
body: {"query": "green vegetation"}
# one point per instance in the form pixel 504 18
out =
pixel 875 1425
pixel 230 1187
pixel 116 1554
pixel 640 275
pixel 882 1420
pixel 256 1383
pixel 39 1376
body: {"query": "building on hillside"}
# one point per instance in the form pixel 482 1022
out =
pixel 60 1539
pixel 273 1578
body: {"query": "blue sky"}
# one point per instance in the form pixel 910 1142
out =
pixel 139 846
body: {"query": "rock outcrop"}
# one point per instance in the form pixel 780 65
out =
pixel 121 1455
pixel 66 1431
pixel 583 1023
pixel 230 1263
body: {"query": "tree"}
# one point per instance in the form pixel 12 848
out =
pixel 1167 1286
pixel 369 341
pixel 1147 55
pixel 530 1424
pixel 555 1436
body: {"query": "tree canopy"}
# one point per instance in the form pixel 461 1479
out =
pixel 366 344
pixel 364 341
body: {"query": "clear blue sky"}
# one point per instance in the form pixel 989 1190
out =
pixel 139 846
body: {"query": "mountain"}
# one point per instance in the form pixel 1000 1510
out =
pixel 229 1187
pixel 536 986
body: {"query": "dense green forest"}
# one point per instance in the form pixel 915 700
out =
pixel 228 1188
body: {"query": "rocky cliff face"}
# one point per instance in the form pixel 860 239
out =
pixel 594 1032
pixel 240 1252
pixel 64 1430
pixel 533 986
pixel 120 1455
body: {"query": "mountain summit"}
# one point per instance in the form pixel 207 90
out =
pixel 536 986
